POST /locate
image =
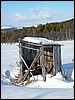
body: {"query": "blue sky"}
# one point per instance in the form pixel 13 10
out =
pixel 28 13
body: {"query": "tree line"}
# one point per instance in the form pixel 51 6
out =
pixel 54 31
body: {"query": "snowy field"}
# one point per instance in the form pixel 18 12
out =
pixel 56 87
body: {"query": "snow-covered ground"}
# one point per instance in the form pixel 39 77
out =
pixel 56 87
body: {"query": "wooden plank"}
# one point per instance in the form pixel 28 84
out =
pixel 50 45
pixel 26 64
pixel 58 52
pixel 54 59
pixel 20 53
pixel 28 48
pixel 50 54
pixel 60 65
pixel 28 71
pixel 57 59
pixel 58 68
pixel 39 44
pixel 31 43
pixel 35 59
pixel 43 64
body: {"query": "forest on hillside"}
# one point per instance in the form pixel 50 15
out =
pixel 54 31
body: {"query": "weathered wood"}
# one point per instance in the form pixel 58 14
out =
pixel 28 71
pixel 57 59
pixel 20 51
pixel 60 65
pixel 26 64
pixel 28 48
pixel 35 59
pixel 45 56
pixel 43 64
pixel 49 55
pixel 39 44
pixel 54 59
pixel 35 44
pixel 58 52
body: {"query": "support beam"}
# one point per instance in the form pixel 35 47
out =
pixel 43 64
pixel 33 63
pixel 26 64
pixel 20 53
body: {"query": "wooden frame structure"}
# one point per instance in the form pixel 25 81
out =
pixel 38 57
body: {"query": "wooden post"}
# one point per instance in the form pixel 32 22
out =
pixel 43 64
pixel 57 58
pixel 58 52
pixel 25 64
pixel 33 63
pixel 54 59
pixel 60 65
pixel 20 51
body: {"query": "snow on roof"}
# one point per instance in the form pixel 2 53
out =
pixel 39 40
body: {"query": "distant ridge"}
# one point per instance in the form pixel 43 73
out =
pixel 20 27
pixel 54 31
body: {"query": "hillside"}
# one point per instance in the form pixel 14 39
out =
pixel 54 31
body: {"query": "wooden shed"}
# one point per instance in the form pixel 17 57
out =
pixel 39 56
